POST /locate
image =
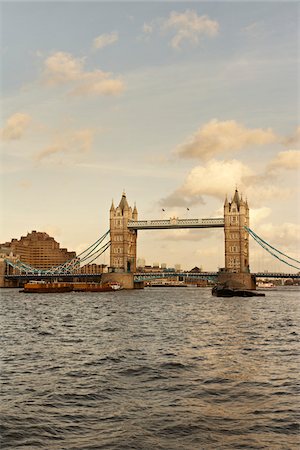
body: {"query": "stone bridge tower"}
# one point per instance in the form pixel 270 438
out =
pixel 123 240
pixel 236 217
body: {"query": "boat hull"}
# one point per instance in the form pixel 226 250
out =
pixel 46 290
pixel 220 291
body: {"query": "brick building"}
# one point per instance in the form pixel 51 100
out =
pixel 38 250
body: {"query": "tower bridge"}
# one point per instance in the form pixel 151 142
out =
pixel 124 225
pixel 124 228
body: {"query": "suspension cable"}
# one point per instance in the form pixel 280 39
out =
pixel 266 246
pixel 269 245
pixel 104 249
pixel 91 248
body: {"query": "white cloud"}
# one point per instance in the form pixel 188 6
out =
pixel 259 214
pixel 216 137
pixel 215 178
pixel 289 159
pixel 98 83
pixel 15 126
pixel 285 236
pixel 105 39
pixel 218 178
pixel 68 144
pixel 147 28
pixel 185 27
pixel 189 27
pixel 61 68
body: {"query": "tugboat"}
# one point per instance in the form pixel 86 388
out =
pixel 224 291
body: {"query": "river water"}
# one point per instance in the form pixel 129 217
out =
pixel 161 368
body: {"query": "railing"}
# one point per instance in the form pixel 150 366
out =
pixel 175 222
pixel 276 275
pixel 148 275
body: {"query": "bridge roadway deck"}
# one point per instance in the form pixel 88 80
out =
pixel 139 275
pixel 175 223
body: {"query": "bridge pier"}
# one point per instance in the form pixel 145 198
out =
pixel 237 280
pixel 125 279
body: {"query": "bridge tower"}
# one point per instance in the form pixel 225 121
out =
pixel 123 240
pixel 237 271
pixel 236 217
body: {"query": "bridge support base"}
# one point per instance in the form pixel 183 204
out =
pixel 237 280
pixel 125 279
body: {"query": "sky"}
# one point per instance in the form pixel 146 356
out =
pixel 177 103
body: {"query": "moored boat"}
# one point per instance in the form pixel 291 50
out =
pixel 223 291
pixel 41 287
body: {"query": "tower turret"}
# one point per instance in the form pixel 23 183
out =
pixel 134 213
pixel 112 210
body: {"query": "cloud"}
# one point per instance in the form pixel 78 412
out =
pixel 69 143
pixel 285 236
pixel 294 139
pixel 289 159
pixel 218 178
pixel 214 179
pixel 147 28
pixel 61 68
pixel 15 126
pixel 104 40
pixel 254 29
pixel 189 27
pixel 259 214
pixel 216 137
pixel 186 27
pixel 98 83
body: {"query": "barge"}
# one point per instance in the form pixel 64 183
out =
pixel 44 287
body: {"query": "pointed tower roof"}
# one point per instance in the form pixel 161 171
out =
pixel 112 208
pixel 236 198
pixel 123 203
pixel 134 209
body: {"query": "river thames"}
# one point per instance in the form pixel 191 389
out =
pixel 160 368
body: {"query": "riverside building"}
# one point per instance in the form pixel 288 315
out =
pixel 38 250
